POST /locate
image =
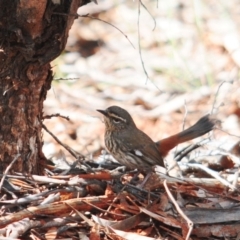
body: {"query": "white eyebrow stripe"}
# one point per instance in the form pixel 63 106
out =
pixel 116 116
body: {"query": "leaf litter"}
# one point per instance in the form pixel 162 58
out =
pixel 192 69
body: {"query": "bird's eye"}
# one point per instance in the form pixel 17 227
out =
pixel 115 120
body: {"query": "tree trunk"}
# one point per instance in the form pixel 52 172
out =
pixel 32 33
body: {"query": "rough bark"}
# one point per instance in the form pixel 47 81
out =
pixel 32 34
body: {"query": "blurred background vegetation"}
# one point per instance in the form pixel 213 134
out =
pixel 160 60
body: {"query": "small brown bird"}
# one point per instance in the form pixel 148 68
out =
pixel 134 149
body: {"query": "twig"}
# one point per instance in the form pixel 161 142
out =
pixel 149 14
pixel 185 115
pixel 114 200
pixel 102 210
pixel 189 222
pixel 215 98
pixel 186 151
pixel 233 135
pixel 55 115
pixel 139 45
pixel 64 79
pixel 179 155
pixel 55 209
pixel 7 170
pixel 183 124
pixel 137 189
pixel 70 150
pixel 213 174
pixel 88 16
pixel 90 222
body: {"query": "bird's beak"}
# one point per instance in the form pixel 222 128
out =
pixel 102 112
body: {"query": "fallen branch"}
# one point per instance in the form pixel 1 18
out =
pixel 58 208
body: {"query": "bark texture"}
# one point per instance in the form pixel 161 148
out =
pixel 32 34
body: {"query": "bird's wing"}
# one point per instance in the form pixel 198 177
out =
pixel 144 148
